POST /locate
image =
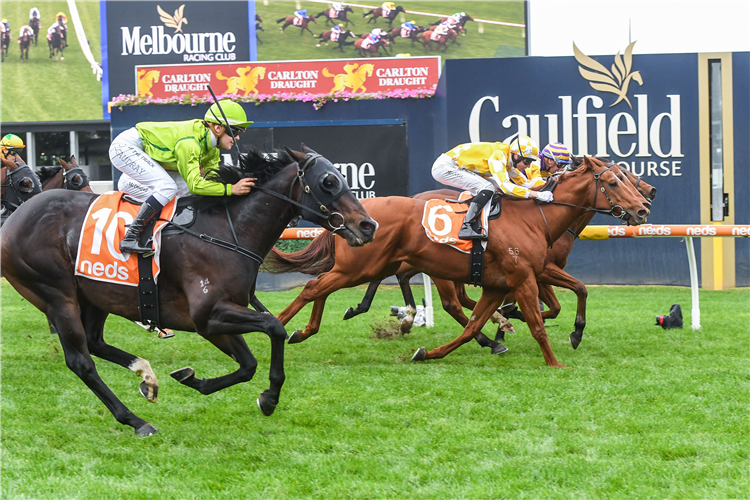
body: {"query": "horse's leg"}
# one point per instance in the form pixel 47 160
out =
pixel 93 320
pixel 411 304
pixel 527 296
pixel 77 357
pixel 547 296
pixel 364 306
pixel 555 276
pixel 452 305
pixel 485 307
pixel 228 318
pixel 503 325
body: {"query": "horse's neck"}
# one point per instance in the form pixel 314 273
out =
pixel 54 182
pixel 577 189
pixel 267 214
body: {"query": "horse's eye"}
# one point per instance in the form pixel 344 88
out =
pixel 613 184
pixel 330 182
pixel 26 185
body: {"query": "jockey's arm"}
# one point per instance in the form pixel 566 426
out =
pixel 188 154
pixel 521 180
pixel 497 163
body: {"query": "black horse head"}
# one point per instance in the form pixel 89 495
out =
pixel 19 185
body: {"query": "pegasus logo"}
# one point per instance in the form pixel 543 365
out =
pixel 603 80
pixel 175 21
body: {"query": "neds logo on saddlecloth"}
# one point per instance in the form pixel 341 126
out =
pixel 194 47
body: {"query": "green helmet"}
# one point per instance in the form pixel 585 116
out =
pixel 234 112
pixel 12 141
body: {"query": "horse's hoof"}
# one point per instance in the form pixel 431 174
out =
pixel 349 314
pixel 165 333
pixel 150 392
pixel 575 340
pixel 405 326
pixel 146 430
pixel 419 355
pixel 499 349
pixel 295 338
pixel 265 404
pixel 183 374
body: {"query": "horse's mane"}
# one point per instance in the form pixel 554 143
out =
pixel 253 163
pixel 46 173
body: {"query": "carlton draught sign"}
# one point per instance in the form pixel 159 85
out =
pixel 290 77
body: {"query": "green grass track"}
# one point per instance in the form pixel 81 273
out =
pixel 642 413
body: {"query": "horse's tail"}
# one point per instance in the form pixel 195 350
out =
pixel 327 73
pixel 220 76
pixel 281 20
pixel 368 13
pixel 317 258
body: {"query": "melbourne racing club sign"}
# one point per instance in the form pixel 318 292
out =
pixel 143 33
pixel 290 77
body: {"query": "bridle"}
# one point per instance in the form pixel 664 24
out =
pixel 75 179
pixel 315 198
pixel 14 179
pixel 616 211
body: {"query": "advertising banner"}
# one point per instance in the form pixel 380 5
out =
pixel 184 33
pixel 372 158
pixel 289 77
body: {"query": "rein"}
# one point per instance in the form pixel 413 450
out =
pixel 598 182
pixel 235 247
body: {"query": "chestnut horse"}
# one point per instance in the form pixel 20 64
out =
pixel 289 21
pixel 335 16
pixel 373 49
pixel 378 12
pixel 442 41
pixel 517 247
pixel 553 274
pixel 38 255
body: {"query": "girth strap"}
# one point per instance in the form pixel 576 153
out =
pixel 476 263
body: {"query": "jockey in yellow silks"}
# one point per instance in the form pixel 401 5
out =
pixel 484 167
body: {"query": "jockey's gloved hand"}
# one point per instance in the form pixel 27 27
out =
pixel 545 196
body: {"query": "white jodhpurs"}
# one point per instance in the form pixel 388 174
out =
pixel 141 175
pixel 446 171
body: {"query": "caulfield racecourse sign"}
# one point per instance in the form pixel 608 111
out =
pixel 636 114
pixel 290 77
pixel 142 33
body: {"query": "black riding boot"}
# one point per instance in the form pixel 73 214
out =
pixel 471 229
pixel 150 209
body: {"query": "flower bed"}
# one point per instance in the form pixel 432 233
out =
pixel 318 100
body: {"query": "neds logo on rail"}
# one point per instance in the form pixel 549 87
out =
pixel 194 47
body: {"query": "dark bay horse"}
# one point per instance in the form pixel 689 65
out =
pixel 552 275
pixel 56 44
pixel 514 257
pixel 335 16
pixel 289 21
pixel 36 26
pixel 460 25
pixel 378 12
pixel 24 42
pixel 39 247
pixel 341 40
pixel 4 44
pixel 396 33
pixel 68 176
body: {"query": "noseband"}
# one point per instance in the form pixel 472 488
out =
pixel 623 215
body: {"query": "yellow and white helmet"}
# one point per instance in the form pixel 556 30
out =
pixel 525 147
